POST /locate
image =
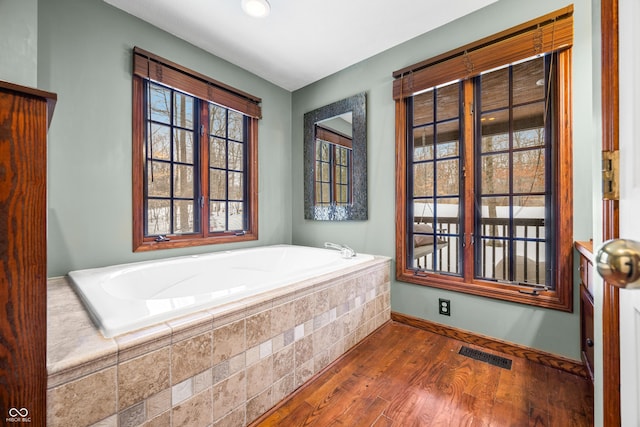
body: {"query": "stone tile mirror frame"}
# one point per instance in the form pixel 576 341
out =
pixel 357 210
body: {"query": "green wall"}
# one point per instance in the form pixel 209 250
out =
pixel 548 330
pixel 19 41
pixel 85 56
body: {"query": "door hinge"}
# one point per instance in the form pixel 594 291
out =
pixel 611 175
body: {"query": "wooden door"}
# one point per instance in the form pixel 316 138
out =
pixel 629 63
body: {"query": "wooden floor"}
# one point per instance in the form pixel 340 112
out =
pixel 403 376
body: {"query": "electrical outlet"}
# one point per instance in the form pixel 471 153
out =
pixel 444 307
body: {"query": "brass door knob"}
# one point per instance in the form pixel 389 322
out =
pixel 618 262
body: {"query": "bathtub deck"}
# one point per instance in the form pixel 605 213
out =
pixel 222 366
pixel 404 376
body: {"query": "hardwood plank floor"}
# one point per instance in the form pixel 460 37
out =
pixel 404 376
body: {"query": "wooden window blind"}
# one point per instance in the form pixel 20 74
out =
pixel 153 67
pixel 333 137
pixel 552 32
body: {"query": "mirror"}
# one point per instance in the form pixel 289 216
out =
pixel 335 161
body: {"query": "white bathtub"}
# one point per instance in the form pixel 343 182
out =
pixel 122 298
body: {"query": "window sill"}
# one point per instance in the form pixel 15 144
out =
pixel 545 299
pixel 187 242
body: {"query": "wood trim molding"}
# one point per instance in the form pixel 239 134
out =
pixel 528 353
pixel 610 216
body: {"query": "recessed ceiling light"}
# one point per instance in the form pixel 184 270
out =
pixel 256 8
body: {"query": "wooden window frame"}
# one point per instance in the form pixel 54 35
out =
pixel 150 67
pixel 336 140
pixel 550 33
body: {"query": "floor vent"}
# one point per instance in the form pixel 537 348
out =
pixel 501 362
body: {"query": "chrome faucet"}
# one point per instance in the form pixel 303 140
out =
pixel 345 250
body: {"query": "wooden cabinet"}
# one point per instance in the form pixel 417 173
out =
pixel 24 118
pixel 585 249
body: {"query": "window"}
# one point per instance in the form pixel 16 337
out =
pixel 484 167
pixel 194 158
pixel 333 167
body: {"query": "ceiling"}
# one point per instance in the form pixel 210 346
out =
pixel 301 41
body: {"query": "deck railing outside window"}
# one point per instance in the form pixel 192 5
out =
pixel 496 259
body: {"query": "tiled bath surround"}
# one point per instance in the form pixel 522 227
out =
pixel 222 367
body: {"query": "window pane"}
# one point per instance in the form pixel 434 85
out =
pixel 436 235
pixel 236 216
pixel 158 179
pixel 321 197
pixel 495 174
pixel 423 179
pixel 528 81
pixel 423 108
pixel 183 146
pixel 495 89
pixel 448 102
pixel 160 103
pixel 217 216
pixel 217 153
pixel 497 142
pixel 326 193
pixel 423 143
pixel 217 120
pixel 448 177
pixel 183 181
pixel 217 184
pixel 160 142
pixel 236 156
pixel 495 131
pixel 183 216
pixel 325 175
pixel 236 126
pixel 448 136
pixel 529 263
pixel 183 110
pixel 528 125
pixel 530 207
pixel 494 259
pixel 528 171
pixel 235 186
pixel 158 217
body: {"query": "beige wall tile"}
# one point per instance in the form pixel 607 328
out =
pixel 283 317
pixel 259 377
pixel 304 308
pixel 133 416
pixel 233 419
pixel 195 412
pixel 258 328
pixel 304 349
pixel 303 372
pixel 229 394
pixel 158 403
pixel 162 420
pixel 111 421
pixel 283 362
pixel 259 405
pixel 191 357
pixel 321 301
pixel 142 377
pixel 228 340
pixel 283 388
pixel 83 402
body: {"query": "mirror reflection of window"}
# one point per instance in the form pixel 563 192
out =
pixel 333 161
